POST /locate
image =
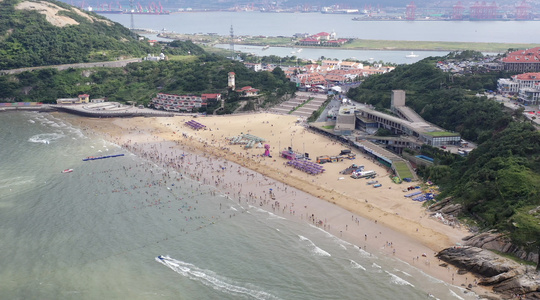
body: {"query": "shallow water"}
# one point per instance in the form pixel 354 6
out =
pixel 97 232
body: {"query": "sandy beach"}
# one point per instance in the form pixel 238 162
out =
pixel 378 220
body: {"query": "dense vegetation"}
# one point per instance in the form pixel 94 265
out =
pixel 498 183
pixel 27 39
pixel 139 82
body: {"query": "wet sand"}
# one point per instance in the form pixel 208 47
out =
pixel 375 219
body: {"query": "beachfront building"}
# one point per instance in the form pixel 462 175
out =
pixel 407 122
pixel 211 97
pixel 522 60
pixel 177 103
pixel 83 98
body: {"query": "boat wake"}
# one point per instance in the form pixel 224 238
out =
pixel 213 280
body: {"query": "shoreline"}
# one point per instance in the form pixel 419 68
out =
pixel 362 223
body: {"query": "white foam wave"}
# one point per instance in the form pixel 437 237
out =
pixel 45 138
pixel 32 121
pixel 456 295
pixel 19 180
pixel 314 249
pixel 356 265
pixel 398 280
pixel 213 280
pixel 398 270
pixel 271 215
pixel 376 266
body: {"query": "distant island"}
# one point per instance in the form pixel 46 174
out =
pixel 357 44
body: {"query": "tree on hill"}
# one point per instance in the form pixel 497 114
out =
pixel 65 35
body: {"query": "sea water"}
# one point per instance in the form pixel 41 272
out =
pixel 127 228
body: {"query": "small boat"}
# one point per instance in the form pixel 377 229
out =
pixel 67 171
pixel 411 55
pixel 266 47
pixel 299 50
pixel 377 185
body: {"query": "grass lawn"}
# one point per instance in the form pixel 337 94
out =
pixel 402 170
pixel 446 46
pixel 441 133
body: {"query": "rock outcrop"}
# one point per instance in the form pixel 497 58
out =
pixel 492 240
pixel 504 275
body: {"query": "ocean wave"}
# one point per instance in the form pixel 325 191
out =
pixel 314 249
pixel 19 180
pixel 398 280
pixel 45 138
pixel 398 270
pixel 456 295
pixel 356 265
pixel 270 214
pixel 209 278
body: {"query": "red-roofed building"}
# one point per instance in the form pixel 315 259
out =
pixel 308 79
pixel 322 36
pixel 310 41
pixel 248 91
pixel 211 97
pixel 523 60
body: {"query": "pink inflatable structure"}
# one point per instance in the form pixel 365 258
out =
pixel 267 150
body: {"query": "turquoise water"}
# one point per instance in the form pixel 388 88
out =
pixel 96 233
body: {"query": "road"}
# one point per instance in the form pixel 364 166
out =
pixel 109 64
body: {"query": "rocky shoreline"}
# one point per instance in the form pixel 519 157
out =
pixel 505 276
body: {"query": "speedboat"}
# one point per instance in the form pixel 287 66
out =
pixel 67 171
pixel 411 55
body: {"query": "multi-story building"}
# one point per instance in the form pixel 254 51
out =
pixel 178 103
pixel 523 60
pixel 526 86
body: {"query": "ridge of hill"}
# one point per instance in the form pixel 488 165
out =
pixel 44 32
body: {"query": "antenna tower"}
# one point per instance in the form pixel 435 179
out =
pixel 232 42
pixel 132 24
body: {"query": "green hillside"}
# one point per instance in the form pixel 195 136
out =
pixel 498 182
pixel 42 32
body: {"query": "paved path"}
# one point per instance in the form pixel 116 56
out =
pixel 108 64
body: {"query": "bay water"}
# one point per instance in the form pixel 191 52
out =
pixel 128 228
pixel 288 24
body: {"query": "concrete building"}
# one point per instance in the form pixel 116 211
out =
pixel 177 103
pixel 230 83
pixel 407 122
pixel 84 98
pixel 526 86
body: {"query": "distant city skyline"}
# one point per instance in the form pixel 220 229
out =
pixel 299 5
